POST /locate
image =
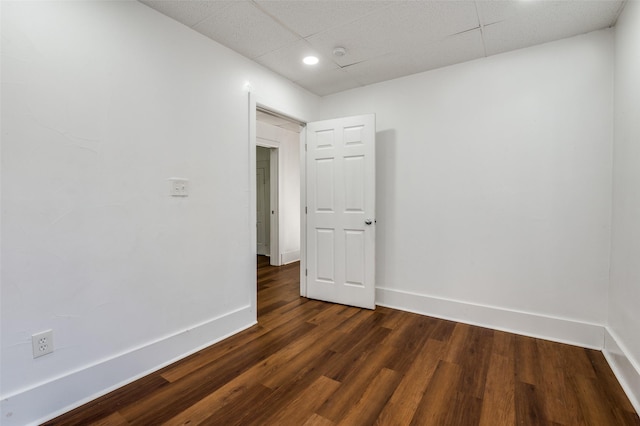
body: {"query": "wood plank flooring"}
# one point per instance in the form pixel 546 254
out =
pixel 314 363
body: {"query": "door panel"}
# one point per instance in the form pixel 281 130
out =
pixel 354 183
pixel 324 185
pixel 354 255
pixel 325 255
pixel 340 164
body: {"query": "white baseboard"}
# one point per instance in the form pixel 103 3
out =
pixel 48 400
pixel 290 257
pixel 627 371
pixel 528 324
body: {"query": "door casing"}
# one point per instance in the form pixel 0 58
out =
pixel 253 103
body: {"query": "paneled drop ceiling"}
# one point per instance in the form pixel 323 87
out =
pixel 383 39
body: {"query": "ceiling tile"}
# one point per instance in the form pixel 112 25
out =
pixel 243 27
pixel 310 17
pixel 332 81
pixel 189 12
pixel 389 30
pixel 513 25
pixel 287 61
pixel 365 38
pixel 385 67
pixel 490 12
pixel 434 20
pixel 384 39
pixel 452 50
pixel 441 53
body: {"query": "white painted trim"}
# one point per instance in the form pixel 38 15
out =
pixel 253 219
pixel 303 214
pixel 274 205
pixel 529 324
pixel 290 257
pixel 48 400
pixel 293 117
pixel 267 143
pixel 627 370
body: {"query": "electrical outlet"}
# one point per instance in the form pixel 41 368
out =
pixel 179 187
pixel 42 343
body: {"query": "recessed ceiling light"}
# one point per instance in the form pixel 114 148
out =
pixel 310 60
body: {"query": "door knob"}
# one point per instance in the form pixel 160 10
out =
pixel 368 222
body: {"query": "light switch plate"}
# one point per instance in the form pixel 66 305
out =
pixel 179 187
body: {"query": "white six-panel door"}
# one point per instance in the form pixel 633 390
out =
pixel 340 219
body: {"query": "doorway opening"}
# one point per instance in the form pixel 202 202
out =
pixel 277 174
pixel 267 208
pixel 335 230
pixel 263 200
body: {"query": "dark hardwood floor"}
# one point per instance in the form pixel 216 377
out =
pixel 314 363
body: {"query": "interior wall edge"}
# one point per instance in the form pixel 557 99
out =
pixel 51 399
pixel 290 257
pixel 540 326
pixel 625 369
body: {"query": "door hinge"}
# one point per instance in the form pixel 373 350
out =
pixel 305 272
pixel 305 147
pixel 305 209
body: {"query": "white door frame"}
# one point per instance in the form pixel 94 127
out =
pixel 253 216
pixel 275 187
pixel 303 212
pixel 253 104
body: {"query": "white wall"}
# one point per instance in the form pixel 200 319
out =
pixel 494 193
pixel 494 188
pixel 101 103
pixel 289 170
pixel 623 338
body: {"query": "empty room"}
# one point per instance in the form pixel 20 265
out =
pixel 280 212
